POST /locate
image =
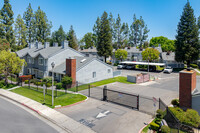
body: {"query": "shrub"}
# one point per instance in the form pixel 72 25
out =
pixel 160 114
pixel 154 126
pixel 58 85
pixel 175 102
pixel 47 79
pixel 165 129
pixel 33 80
pixel 48 85
pixel 66 80
pixel 2 84
pixel 158 121
pixel 26 81
pixel 37 83
pixel 194 65
pixel 116 64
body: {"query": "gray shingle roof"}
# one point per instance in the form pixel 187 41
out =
pixel 170 57
pixel 62 67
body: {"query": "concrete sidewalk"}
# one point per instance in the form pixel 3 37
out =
pixel 61 120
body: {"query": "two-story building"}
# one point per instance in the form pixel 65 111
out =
pixel 39 58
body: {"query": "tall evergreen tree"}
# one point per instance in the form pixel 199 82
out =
pixel 42 26
pixel 20 31
pixel 29 21
pixel 6 21
pixel 96 29
pixel 71 37
pixel 198 22
pixel 112 27
pixel 59 35
pixel 104 38
pixel 187 42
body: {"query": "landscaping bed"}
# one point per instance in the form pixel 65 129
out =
pixel 8 86
pixel 65 99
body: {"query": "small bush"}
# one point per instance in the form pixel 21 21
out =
pixel 58 85
pixel 160 114
pixel 2 84
pixel 165 129
pixel 47 79
pixel 175 102
pixel 48 85
pixel 66 80
pixel 158 121
pixel 33 80
pixel 26 81
pixel 38 83
pixel 154 126
pixel 116 64
pixel 194 65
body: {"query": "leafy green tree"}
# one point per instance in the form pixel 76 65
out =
pixel 71 37
pixel 138 32
pixel 150 54
pixel 104 38
pixel 96 29
pixel 59 35
pixel 10 63
pixel 6 21
pixel 121 54
pixel 4 45
pixel 29 21
pixel 20 32
pixel 42 26
pixel 89 40
pixel 187 41
pixel 166 44
pixel 66 80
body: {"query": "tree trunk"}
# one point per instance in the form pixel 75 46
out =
pixel 105 58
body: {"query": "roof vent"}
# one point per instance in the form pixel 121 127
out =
pixel 83 60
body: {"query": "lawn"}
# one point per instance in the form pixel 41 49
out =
pixel 102 82
pixel 63 100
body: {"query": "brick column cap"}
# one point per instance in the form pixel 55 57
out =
pixel 188 72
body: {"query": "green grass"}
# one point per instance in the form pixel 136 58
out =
pixel 63 100
pixel 120 79
pixel 13 79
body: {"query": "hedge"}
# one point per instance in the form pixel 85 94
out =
pixel 59 85
pixel 26 81
pixel 165 129
pixel 194 65
pixel 154 126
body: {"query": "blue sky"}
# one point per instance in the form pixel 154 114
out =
pixel 161 16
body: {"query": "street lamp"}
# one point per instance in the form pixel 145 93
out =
pixel 52 65
pixel 148 64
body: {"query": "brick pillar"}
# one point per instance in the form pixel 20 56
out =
pixel 71 69
pixel 187 83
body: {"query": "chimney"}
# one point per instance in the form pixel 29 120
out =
pixel 55 44
pixel 30 45
pixel 46 44
pixel 71 69
pixel 187 84
pixel 38 45
pixel 64 44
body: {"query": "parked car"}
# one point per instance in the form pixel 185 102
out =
pixel 120 66
pixel 168 69
pixel 130 67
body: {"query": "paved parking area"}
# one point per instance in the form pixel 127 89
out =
pixel 104 117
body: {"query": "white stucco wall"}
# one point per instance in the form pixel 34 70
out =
pixel 85 75
pixel 60 57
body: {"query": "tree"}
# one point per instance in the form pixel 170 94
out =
pixel 20 32
pixel 138 32
pixel 42 26
pixel 4 45
pixel 59 35
pixel 121 54
pixel 187 41
pixel 6 21
pixel 89 40
pixel 10 63
pixel 96 29
pixel 71 37
pixel 66 80
pixel 150 54
pixel 166 44
pixel 112 26
pixel 29 21
pixel 104 38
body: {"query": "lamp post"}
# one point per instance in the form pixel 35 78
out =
pixel 148 64
pixel 52 65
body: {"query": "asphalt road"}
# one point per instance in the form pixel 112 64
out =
pixel 14 119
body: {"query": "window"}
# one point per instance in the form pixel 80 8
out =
pixel 40 74
pixel 40 61
pixel 109 70
pixel 29 71
pixel 29 60
pixel 94 74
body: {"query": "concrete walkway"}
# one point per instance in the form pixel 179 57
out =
pixel 197 70
pixel 61 120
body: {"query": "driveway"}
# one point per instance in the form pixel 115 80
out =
pixel 104 117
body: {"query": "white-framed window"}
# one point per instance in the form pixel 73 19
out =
pixel 109 70
pixel 40 61
pixel 29 60
pixel 28 70
pixel 45 62
pixel 94 74
pixel 32 60
pixel 40 74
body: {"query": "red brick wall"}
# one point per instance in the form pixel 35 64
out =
pixel 71 69
pixel 187 83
